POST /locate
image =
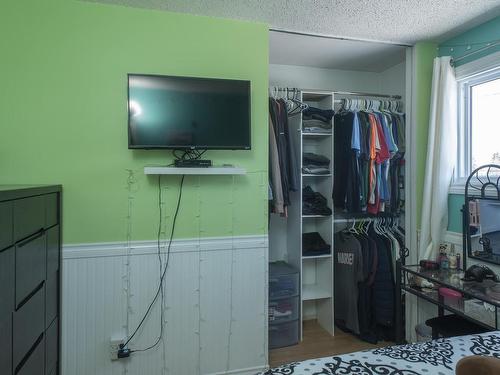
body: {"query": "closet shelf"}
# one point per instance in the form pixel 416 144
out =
pixel 315 291
pixel 316 175
pixel 316 95
pixel 324 256
pixel 315 216
pixel 156 170
pixel 316 134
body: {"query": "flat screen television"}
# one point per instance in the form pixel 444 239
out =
pixel 168 112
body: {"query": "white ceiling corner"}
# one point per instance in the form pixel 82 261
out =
pixel 389 23
pixel 395 21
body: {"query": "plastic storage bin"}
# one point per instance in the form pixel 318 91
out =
pixel 452 298
pixel 284 310
pixel 284 334
pixel 283 280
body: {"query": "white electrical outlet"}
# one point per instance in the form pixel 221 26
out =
pixel 114 346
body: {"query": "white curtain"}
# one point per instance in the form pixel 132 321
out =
pixel 441 157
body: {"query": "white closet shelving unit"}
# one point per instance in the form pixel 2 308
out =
pixel 316 272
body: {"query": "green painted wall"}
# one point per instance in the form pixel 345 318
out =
pixel 63 115
pixel 475 38
pixel 424 56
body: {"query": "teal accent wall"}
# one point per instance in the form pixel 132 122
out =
pixel 477 38
pixel 64 119
pixel 455 203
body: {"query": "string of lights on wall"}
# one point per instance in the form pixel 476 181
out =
pixel 132 187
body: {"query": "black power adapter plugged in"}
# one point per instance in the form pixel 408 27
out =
pixel 123 352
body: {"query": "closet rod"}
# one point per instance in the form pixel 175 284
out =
pixel 351 219
pixel 339 92
pixel 326 36
pixel 291 89
pixel 345 93
pixel 367 94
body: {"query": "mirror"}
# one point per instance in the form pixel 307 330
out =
pixel 481 219
pixel 484 229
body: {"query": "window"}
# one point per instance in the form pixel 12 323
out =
pixel 479 121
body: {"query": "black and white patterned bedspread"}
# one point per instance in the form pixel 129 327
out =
pixel 436 357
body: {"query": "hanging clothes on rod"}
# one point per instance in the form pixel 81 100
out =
pixel 369 155
pixel 291 97
pixel 365 254
pixel 283 171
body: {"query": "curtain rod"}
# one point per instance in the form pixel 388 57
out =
pixel 337 37
pixel 491 45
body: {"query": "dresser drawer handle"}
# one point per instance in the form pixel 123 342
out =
pixel 28 355
pixel 40 233
pixel 31 294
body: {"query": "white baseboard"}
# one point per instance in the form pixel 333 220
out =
pixel 243 371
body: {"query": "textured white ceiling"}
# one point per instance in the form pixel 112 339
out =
pixel 397 21
pixel 328 53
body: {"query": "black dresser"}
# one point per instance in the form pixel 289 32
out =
pixel 30 259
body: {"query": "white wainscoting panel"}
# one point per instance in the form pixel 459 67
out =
pixel 215 309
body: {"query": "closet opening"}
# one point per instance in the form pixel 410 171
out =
pixel 339 189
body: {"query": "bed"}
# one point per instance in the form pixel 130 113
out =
pixel 436 357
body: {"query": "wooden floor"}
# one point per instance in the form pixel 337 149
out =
pixel 319 343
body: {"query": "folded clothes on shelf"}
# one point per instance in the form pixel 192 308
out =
pixel 315 170
pixel 315 164
pixel 315 159
pixel 313 203
pixel 316 120
pixel 313 245
pixel 312 113
pixel 316 126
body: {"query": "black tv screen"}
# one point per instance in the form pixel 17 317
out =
pixel 188 113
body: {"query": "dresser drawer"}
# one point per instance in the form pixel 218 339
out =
pixel 51 210
pixel 7 286
pixel 52 250
pixel 51 298
pixel 29 216
pixel 6 345
pixel 51 347
pixel 28 325
pixel 30 265
pixel 6 226
pixel 35 363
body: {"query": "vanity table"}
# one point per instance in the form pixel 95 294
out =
pixel 471 306
pixel 477 302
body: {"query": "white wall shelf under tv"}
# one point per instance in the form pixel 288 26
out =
pixel 156 170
